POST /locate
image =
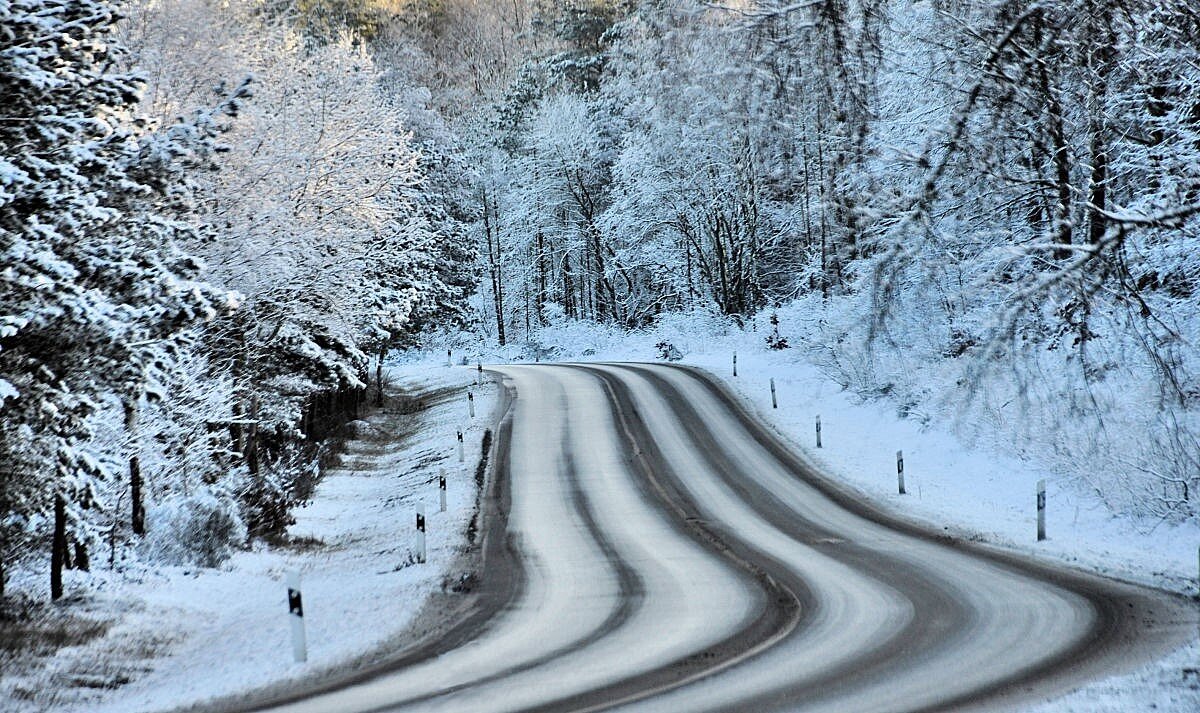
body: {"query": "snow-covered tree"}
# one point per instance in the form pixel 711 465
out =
pixel 95 294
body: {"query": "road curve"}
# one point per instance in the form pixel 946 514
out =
pixel 649 546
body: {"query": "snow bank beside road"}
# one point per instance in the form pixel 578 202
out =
pixel 185 637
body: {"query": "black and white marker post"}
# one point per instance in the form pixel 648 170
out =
pixel 478 373
pixel 448 356
pixel 1041 510
pixel 471 404
pixel 774 403
pixel 421 532
pixel 818 430
pixel 296 614
pixel 900 471
pixel 442 489
pixel 735 363
pixel 461 458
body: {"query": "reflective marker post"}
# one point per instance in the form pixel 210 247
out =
pixel 471 403
pixel 448 358
pixel 735 363
pixel 818 430
pixel 461 458
pixel 296 614
pixel 478 373
pixel 420 532
pixel 1041 510
pixel 900 470
pixel 442 489
pixel 774 403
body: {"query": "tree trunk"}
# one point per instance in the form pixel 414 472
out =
pixel 82 562
pixel 379 375
pixel 493 245
pixel 138 511
pixel 58 548
pixel 542 297
pixel 137 515
pixel 568 287
pixel 1099 58
pixel 251 453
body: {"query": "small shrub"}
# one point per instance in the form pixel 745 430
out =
pixel 269 496
pixel 774 339
pixel 668 351
pixel 201 529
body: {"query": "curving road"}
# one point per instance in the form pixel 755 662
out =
pixel 649 546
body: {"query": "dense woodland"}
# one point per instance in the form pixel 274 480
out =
pixel 218 218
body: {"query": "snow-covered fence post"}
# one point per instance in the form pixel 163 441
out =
pixel 461 457
pixel 818 430
pixel 774 403
pixel 448 358
pixel 735 363
pixel 442 489
pixel 900 471
pixel 1041 510
pixel 471 403
pixel 420 532
pixel 296 614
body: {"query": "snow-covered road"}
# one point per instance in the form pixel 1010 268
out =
pixel 654 548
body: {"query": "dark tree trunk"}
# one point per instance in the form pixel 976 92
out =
pixel 137 516
pixel 379 376
pixel 138 511
pixel 1100 59
pixel 82 562
pixel 568 288
pixel 493 246
pixel 251 453
pixel 542 295
pixel 58 548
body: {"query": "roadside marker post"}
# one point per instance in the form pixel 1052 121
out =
pixel 900 471
pixel 471 403
pixel 735 363
pixel 774 403
pixel 442 489
pixel 461 458
pixel 818 430
pixel 478 373
pixel 421 532
pixel 1041 510
pixel 448 355
pixel 296 614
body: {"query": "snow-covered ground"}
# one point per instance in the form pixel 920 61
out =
pixel 183 636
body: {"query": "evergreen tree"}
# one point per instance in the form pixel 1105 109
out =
pixel 94 295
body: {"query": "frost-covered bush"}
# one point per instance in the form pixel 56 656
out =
pixel 268 497
pixel 201 529
pixel 668 351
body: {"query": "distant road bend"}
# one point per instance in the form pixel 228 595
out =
pixel 649 546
